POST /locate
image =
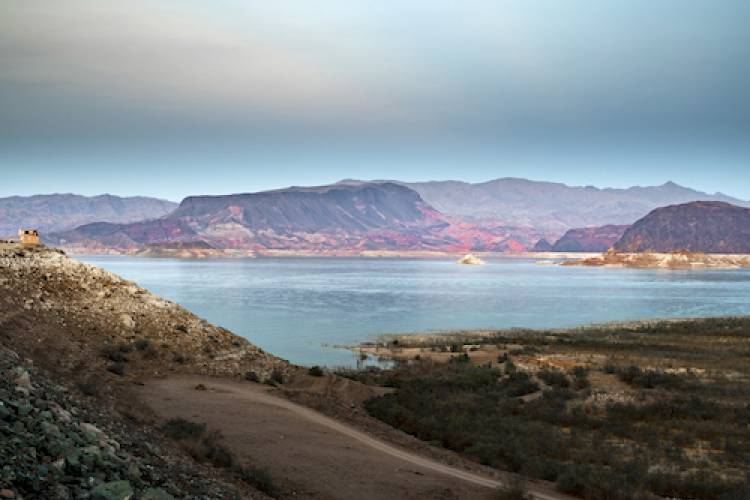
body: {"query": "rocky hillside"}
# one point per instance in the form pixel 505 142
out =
pixel 96 327
pixel 704 226
pixel 58 446
pixel 61 212
pixel 341 218
pixel 589 239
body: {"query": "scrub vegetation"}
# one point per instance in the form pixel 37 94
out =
pixel 658 409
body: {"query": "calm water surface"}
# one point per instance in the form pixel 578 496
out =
pixel 300 308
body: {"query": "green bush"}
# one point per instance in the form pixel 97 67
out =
pixel 315 371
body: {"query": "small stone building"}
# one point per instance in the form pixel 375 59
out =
pixel 29 237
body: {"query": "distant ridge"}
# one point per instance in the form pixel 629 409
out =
pixel 342 218
pixel 60 212
pixel 550 206
pixel 589 239
pixel 354 216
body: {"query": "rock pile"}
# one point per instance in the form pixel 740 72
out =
pixel 53 447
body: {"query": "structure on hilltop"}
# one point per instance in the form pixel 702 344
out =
pixel 28 237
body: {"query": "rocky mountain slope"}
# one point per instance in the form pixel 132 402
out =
pixel 339 218
pixel 553 207
pixel 60 212
pixel 59 446
pixel 704 226
pixel 95 326
pixel 589 239
pixel 97 336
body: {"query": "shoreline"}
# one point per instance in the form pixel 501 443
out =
pixel 661 260
pixel 383 342
pixel 200 254
pixel 667 260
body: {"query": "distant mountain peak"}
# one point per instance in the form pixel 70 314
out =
pixel 699 226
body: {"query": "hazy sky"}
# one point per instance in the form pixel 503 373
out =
pixel 170 98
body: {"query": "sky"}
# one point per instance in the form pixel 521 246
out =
pixel 170 98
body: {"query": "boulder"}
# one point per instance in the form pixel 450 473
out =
pixel 156 494
pixel 127 321
pixel 115 490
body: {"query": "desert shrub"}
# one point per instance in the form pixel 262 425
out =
pixel 700 484
pixel 117 368
pixel 580 372
pixel 570 483
pixel 461 358
pixel 502 358
pixel 276 377
pixel 650 379
pixel 179 358
pixel 260 479
pixel 200 444
pixel 142 344
pixel 205 447
pixel 580 378
pixel 515 489
pixel 518 384
pixel 88 388
pixel 150 353
pixel 315 371
pixel 115 353
pixel 179 428
pixel 553 378
pixel 252 377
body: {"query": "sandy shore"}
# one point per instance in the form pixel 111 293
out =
pixel 677 260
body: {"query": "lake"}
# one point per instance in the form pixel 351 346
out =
pixel 299 308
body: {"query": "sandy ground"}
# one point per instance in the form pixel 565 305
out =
pixel 308 454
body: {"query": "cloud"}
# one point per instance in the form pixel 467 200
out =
pixel 513 74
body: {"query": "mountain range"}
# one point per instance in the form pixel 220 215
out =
pixel 60 212
pixel 354 216
pixel 380 216
pixel 554 207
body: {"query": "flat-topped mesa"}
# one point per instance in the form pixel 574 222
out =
pixel 87 322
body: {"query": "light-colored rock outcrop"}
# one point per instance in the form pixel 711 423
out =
pixel 471 260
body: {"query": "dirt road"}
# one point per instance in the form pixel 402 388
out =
pixel 309 454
